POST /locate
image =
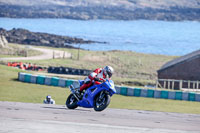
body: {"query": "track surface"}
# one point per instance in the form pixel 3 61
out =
pixel 41 118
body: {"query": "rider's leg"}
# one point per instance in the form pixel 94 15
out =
pixel 85 86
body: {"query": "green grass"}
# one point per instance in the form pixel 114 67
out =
pixel 15 50
pixel 13 90
pixel 7 55
pixel 130 67
pixel 139 103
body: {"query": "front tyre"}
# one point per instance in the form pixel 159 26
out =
pixel 71 102
pixel 101 102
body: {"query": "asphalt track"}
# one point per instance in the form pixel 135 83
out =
pixel 41 118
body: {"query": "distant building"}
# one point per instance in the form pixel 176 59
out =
pixel 183 70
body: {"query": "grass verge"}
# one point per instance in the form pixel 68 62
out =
pixel 16 50
pixel 131 68
pixel 13 90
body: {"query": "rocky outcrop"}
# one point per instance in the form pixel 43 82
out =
pixel 22 36
pixel 3 41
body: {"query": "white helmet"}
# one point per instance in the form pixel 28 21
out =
pixel 48 98
pixel 108 71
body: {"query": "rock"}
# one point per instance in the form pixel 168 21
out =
pixel 22 36
pixel 3 41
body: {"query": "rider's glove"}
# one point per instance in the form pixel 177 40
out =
pixel 87 80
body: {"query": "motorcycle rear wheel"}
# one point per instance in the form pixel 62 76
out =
pixel 101 104
pixel 71 102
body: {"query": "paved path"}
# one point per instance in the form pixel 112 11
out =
pixel 47 54
pixel 41 118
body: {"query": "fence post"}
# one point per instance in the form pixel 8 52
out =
pixel 189 84
pixel 180 84
pixel 164 84
pixel 173 84
pixel 193 83
pixel 63 54
pixel 157 83
pixel 53 55
pixel 168 84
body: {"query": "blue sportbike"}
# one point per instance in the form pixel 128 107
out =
pixel 97 96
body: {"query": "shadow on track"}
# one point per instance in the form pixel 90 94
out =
pixel 53 108
pixel 67 109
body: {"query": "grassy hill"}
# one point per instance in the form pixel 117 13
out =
pixel 171 10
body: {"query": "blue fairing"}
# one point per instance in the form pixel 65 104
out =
pixel 90 93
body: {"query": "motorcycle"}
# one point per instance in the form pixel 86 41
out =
pixel 97 96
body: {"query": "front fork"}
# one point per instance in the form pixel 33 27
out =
pixel 72 89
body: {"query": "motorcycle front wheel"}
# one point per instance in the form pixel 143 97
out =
pixel 71 102
pixel 101 102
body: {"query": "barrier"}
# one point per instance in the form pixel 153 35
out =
pixel 21 76
pixel 191 96
pixel 150 93
pixel 157 93
pixel 40 80
pixel 185 96
pixel 54 81
pixel 126 91
pixel 171 95
pixel 47 81
pixel 137 92
pixel 129 91
pixel 123 91
pixel 197 97
pixel 117 89
pixel 33 79
pixel 68 82
pixel 143 93
pixel 27 78
pixel 61 82
pixel 178 95
pixel 164 94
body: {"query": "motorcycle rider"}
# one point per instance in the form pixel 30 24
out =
pixel 96 77
pixel 49 100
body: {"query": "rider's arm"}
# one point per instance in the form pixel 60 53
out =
pixel 93 75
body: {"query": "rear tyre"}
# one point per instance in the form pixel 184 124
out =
pixel 71 102
pixel 100 103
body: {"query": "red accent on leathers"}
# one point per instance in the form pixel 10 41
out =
pixel 85 86
pixel 97 71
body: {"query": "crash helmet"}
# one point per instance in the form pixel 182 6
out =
pixel 108 71
pixel 48 98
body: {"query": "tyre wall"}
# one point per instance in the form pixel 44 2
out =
pixel 67 70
